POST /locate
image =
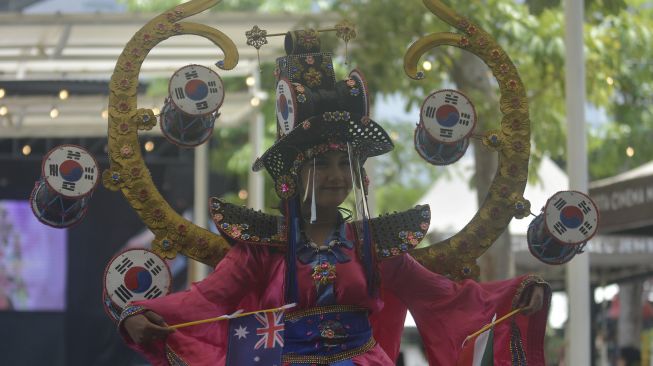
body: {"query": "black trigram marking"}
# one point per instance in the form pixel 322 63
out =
pixel 154 268
pixel 124 265
pixel 153 292
pixel 73 154
pixel 585 206
pixel 585 228
pixel 451 98
pixel 191 75
pixel 69 186
pixel 201 105
pixel 446 132
pixel 179 93
pixel 464 119
pixel 559 228
pixel 89 173
pixel 430 111
pixel 212 87
pixel 560 203
pixel 54 170
pixel 123 293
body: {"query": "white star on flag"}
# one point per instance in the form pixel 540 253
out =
pixel 241 332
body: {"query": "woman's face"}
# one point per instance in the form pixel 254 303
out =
pixel 332 179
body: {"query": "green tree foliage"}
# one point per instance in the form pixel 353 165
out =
pixel 619 78
pixel 619 81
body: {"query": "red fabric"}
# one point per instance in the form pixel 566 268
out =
pixel 446 312
pixel 252 278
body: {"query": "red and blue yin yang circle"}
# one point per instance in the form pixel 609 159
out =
pixel 71 171
pixel 196 89
pixel 138 279
pixel 282 106
pixel 571 216
pixel 447 115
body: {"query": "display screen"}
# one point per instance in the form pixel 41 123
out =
pixel 32 261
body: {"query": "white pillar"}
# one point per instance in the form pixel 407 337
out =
pixel 197 270
pixel 578 343
pixel 255 181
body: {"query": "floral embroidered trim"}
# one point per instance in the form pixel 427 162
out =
pixel 313 78
pixel 409 227
pixel 254 227
pixel 324 273
pixel 336 116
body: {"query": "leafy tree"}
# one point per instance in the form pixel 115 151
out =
pixel 619 81
pixel 532 32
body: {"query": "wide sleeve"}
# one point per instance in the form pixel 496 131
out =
pixel 446 312
pixel 235 282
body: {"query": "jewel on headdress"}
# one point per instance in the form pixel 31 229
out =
pixel 346 31
pixel 256 38
pixel 285 186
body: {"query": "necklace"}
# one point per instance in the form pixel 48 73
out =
pixel 322 248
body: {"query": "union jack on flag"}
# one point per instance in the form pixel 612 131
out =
pixel 256 339
pixel 272 331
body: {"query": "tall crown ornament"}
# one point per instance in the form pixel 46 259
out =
pixel 128 172
pixel 456 256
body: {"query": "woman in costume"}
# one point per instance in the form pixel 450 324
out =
pixel 352 278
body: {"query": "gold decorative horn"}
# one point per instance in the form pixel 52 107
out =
pixel 456 256
pixel 127 171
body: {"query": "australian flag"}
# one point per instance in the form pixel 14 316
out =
pixel 256 340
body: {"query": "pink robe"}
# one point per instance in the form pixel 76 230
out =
pixel 252 278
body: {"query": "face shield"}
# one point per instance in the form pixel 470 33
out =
pixel 333 180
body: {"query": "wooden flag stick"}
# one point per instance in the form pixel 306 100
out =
pixel 490 325
pixel 234 315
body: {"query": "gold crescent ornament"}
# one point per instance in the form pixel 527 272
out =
pixel 127 171
pixel 456 256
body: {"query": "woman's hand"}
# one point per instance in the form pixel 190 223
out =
pixel 146 327
pixel 532 299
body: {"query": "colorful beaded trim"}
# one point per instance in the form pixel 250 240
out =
pixel 173 358
pixel 322 310
pixel 528 281
pixel 315 151
pixel 321 360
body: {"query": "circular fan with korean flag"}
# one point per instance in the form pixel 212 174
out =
pixel 132 275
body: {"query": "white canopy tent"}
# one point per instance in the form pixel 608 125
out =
pixel 453 200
